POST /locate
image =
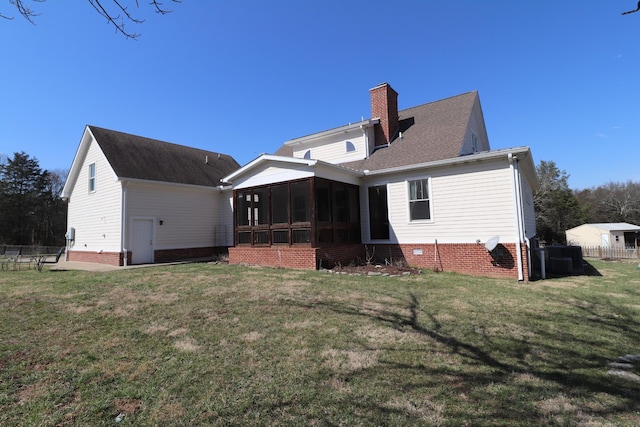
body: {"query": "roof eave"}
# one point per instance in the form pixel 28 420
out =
pixel 319 135
pixel 487 155
pixel 76 164
pixel 264 158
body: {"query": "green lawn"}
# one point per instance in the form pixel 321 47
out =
pixel 204 344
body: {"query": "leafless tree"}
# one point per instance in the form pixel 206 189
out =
pixel 612 202
pixel 115 11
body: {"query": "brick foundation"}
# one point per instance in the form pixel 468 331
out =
pixel 466 258
pixel 160 256
pixel 301 257
pixel 109 258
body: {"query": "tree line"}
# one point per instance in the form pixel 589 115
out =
pixel 31 210
pixel 559 208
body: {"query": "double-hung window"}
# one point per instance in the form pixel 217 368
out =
pixel 419 202
pixel 92 177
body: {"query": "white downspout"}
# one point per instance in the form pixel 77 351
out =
pixel 513 161
pixel 366 141
pixel 522 222
pixel 123 224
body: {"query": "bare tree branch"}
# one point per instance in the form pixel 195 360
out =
pixel 632 11
pixel 23 9
pixel 118 14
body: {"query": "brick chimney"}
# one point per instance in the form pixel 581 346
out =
pixel 384 106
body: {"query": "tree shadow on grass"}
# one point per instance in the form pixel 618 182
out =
pixel 554 361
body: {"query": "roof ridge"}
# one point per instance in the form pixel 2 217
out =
pixel 155 140
pixel 440 100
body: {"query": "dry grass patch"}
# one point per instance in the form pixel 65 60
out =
pixel 347 361
pixel 339 385
pixel 177 332
pixel 425 410
pixel 187 345
pixel 155 328
pixel 386 335
pixel 511 330
pixel 252 336
pixel 307 323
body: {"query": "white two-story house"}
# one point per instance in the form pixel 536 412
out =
pixel 419 185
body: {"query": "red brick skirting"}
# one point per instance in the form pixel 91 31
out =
pixel 296 257
pixel 160 256
pixel 110 258
pixel 466 258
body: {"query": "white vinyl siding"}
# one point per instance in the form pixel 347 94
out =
pixel 224 226
pixel 189 214
pixel 333 149
pixel 475 202
pixel 96 215
pixel 273 172
pixel 92 177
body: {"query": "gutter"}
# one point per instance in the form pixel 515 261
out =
pixel 487 155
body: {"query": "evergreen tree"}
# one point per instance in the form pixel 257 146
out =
pixel 30 212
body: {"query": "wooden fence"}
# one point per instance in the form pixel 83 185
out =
pixel 605 252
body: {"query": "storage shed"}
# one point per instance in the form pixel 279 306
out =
pixel 620 235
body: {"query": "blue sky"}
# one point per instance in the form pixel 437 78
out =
pixel 241 77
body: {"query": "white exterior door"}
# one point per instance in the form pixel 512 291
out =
pixel 605 240
pixel 142 240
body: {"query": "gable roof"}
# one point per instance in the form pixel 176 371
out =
pixel 430 132
pixel 137 157
pixel 611 226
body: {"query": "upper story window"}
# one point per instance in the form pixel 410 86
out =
pixel 419 202
pixel 350 147
pixel 474 143
pixel 92 177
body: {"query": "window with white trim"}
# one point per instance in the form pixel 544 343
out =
pixel 419 202
pixel 92 177
pixel 350 147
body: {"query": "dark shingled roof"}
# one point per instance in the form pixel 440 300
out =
pixel 430 132
pixel 136 157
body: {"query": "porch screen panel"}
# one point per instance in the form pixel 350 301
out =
pixel 323 201
pixel 243 208
pixel 280 203
pixel 300 202
pixel 261 206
